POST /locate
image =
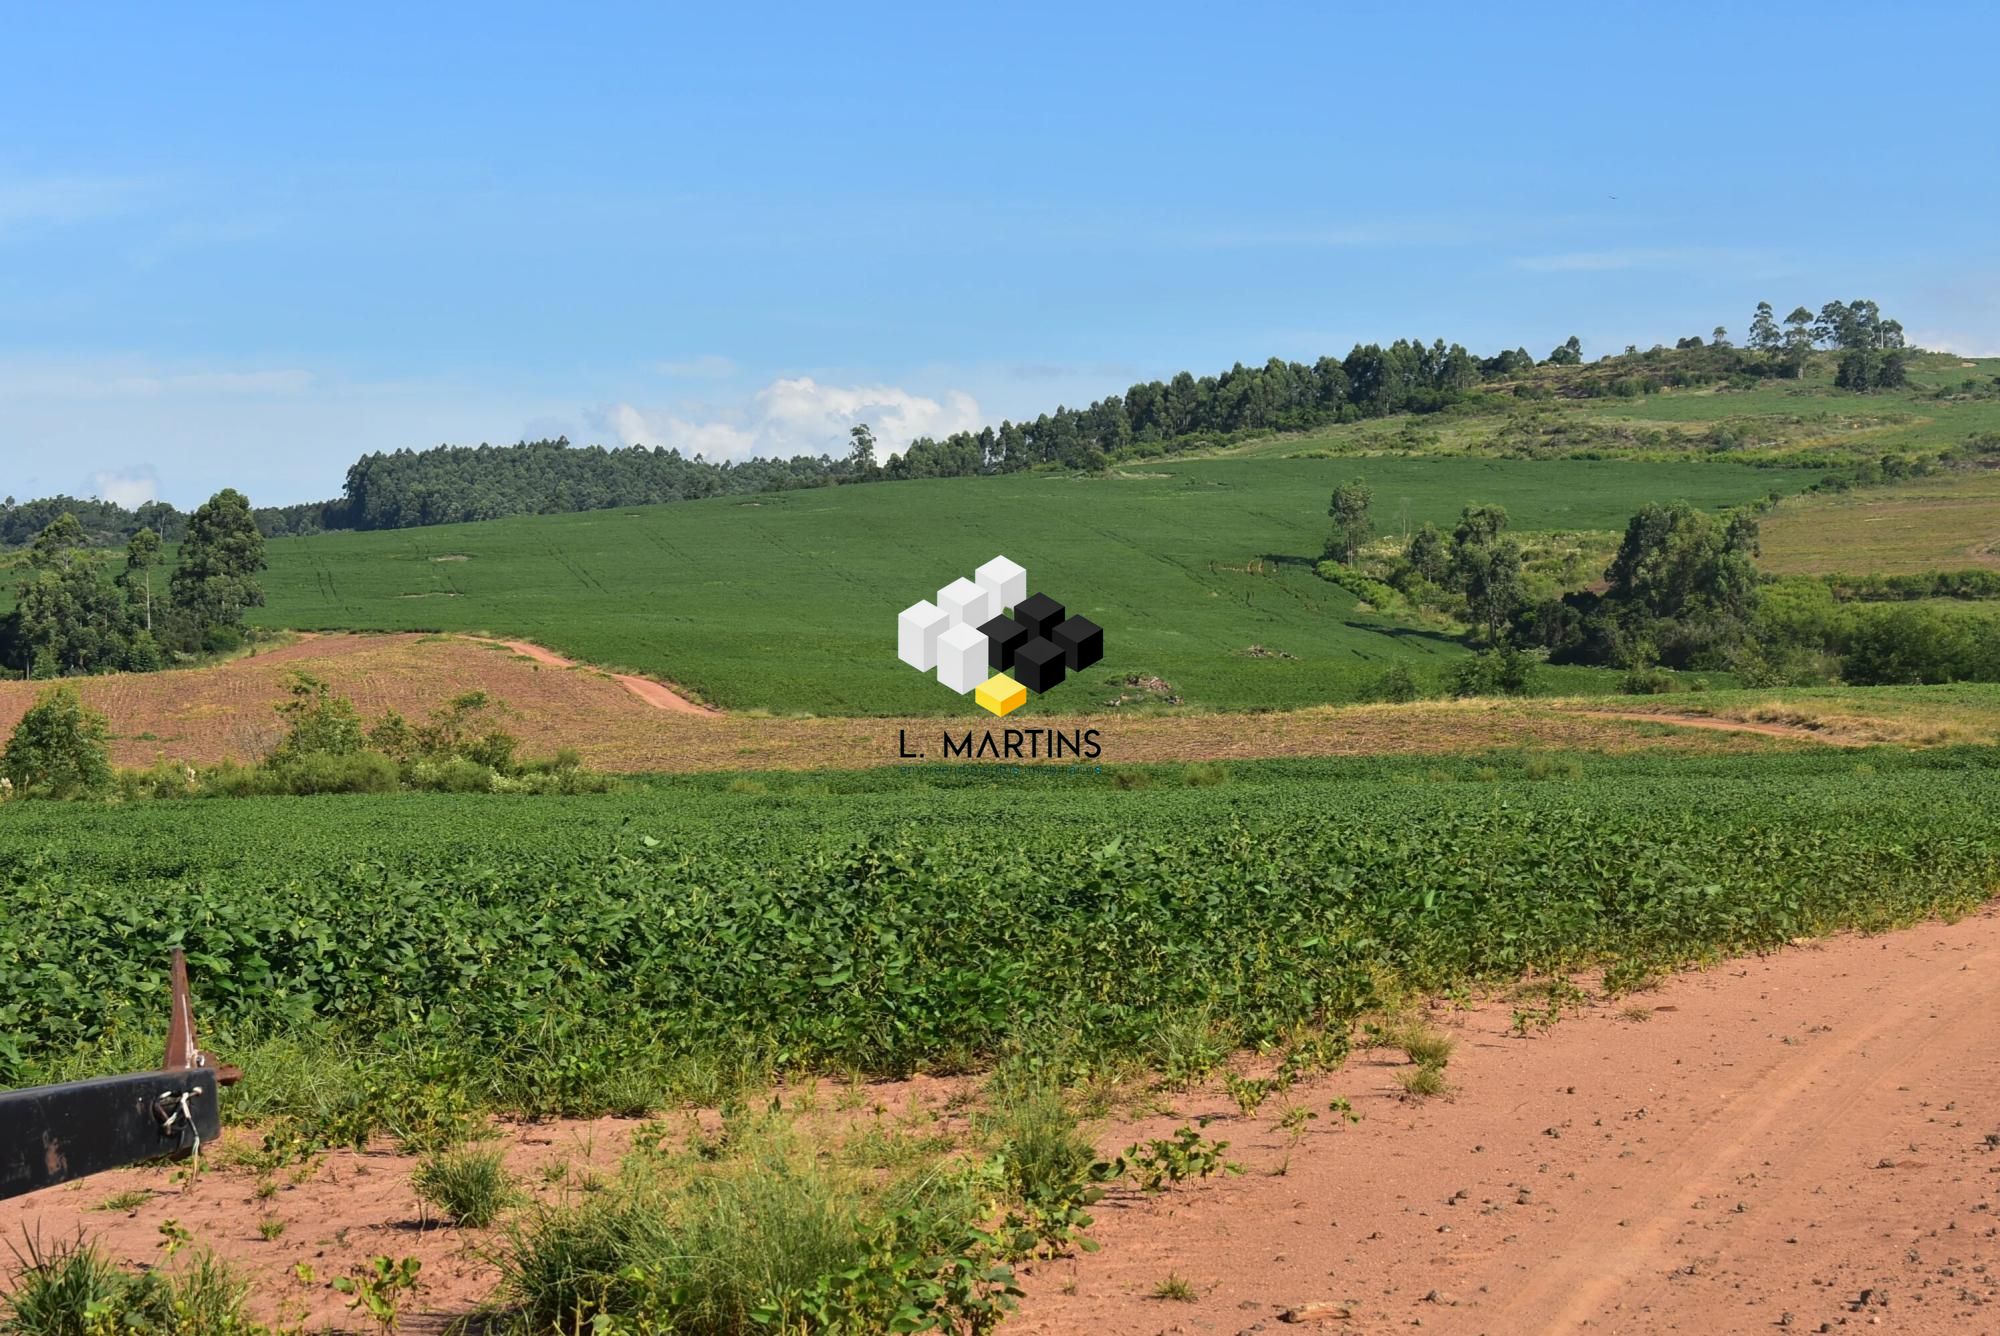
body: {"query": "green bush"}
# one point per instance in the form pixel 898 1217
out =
pixel 1396 684
pixel 164 779
pixel 58 749
pixel 757 1232
pixel 329 772
pixel 1505 672
pixel 1911 644
pixel 318 723
pixel 1639 681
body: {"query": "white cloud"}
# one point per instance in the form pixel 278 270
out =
pixel 1965 345
pixel 129 489
pixel 796 416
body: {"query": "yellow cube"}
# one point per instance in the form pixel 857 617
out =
pixel 1001 694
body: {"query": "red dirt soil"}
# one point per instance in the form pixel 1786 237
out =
pixel 1804 1141
pixel 625 724
pixel 656 694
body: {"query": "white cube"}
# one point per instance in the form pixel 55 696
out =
pixel 961 658
pixel 1005 581
pixel 917 631
pixel 967 604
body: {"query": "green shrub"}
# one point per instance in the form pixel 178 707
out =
pixel 331 772
pixel 1396 684
pixel 318 723
pixel 1380 596
pixel 163 779
pixel 1505 672
pixel 1648 682
pixel 1552 767
pixel 761 1232
pixel 58 749
pixel 457 774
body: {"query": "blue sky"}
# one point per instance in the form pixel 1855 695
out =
pixel 247 245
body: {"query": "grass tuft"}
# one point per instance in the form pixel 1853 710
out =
pixel 1424 1045
pixel 73 1289
pixel 1423 1082
pixel 124 1201
pixel 469 1187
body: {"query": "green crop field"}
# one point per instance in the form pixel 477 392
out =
pixel 788 601
pixel 550 953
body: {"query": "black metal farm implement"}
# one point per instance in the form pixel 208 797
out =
pixel 52 1134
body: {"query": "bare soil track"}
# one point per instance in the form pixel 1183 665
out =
pixel 656 694
pixel 1767 729
pixel 1807 1141
pixel 619 722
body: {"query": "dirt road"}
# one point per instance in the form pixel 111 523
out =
pixel 1807 1142
pixel 656 694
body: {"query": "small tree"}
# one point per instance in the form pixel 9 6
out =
pixel 861 451
pixel 67 615
pixel 1486 568
pixel 1493 587
pixel 58 749
pixel 318 723
pixel 1351 525
pixel 141 555
pixel 220 557
pixel 1798 341
pixel 1857 370
pixel 1429 555
pixel 1764 336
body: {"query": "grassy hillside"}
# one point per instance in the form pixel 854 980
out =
pixel 1950 522
pixel 1772 421
pixel 788 601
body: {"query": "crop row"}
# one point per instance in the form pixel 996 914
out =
pixel 886 931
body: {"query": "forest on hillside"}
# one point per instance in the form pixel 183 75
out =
pixel 451 484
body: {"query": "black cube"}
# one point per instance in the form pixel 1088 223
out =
pixel 1038 664
pixel 1039 613
pixel 1003 635
pixel 1081 641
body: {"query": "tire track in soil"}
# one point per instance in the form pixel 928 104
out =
pixel 1795 1116
pixel 656 694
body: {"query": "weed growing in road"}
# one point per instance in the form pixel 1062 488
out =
pixel 1155 1164
pixel 469 1187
